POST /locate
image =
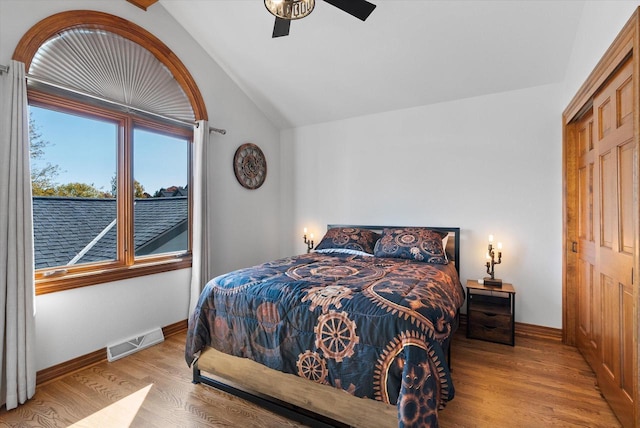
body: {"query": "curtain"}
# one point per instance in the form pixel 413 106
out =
pixel 17 286
pixel 201 265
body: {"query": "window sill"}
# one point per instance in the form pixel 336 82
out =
pixel 84 279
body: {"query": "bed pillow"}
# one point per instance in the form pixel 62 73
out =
pixel 349 238
pixel 344 251
pixel 413 243
pixel 445 243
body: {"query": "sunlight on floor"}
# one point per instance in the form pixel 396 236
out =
pixel 118 414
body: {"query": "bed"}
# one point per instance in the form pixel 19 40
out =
pixel 355 333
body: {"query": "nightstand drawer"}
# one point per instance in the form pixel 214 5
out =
pixel 490 319
pixel 491 312
pixel 493 334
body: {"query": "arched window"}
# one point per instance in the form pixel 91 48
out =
pixel 112 111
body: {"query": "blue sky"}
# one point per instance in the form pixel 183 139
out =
pixel 85 150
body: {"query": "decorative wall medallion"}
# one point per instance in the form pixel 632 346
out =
pixel 250 166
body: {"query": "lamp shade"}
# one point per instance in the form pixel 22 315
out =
pixel 290 9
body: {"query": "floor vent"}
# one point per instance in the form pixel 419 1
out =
pixel 135 344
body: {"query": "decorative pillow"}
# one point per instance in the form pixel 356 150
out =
pixel 351 238
pixel 413 243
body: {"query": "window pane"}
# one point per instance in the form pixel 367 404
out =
pixel 160 169
pixel 73 165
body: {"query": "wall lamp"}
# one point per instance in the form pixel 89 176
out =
pixel 309 241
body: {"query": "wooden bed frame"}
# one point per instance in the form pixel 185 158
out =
pixel 296 398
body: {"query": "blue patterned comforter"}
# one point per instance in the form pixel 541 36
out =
pixel 373 327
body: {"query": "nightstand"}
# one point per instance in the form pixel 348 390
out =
pixel 491 312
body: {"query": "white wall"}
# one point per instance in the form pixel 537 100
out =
pixel 600 23
pixel 76 322
pixel 490 165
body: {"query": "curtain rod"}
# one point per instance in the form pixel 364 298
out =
pixel 109 101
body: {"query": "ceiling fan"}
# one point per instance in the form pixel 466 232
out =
pixel 287 10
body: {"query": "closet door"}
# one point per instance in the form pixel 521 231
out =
pixel 588 295
pixel 614 147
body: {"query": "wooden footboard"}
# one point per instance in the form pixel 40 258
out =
pixel 297 398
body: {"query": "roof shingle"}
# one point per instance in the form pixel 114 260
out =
pixel 64 226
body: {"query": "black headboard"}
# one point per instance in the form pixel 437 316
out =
pixel 453 244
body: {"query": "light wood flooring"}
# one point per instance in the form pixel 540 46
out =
pixel 537 383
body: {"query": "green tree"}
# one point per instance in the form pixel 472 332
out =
pixel 80 190
pixel 42 177
pixel 138 189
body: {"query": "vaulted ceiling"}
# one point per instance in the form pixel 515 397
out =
pixel 333 66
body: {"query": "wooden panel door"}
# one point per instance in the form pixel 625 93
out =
pixel 588 296
pixel 614 242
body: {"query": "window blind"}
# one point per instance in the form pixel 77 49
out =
pixel 110 66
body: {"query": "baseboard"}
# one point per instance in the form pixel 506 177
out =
pixel 175 328
pixel 63 369
pixel 538 332
pixel 527 330
pixel 47 375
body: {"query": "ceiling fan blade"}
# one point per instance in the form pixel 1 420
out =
pixel 281 27
pixel 361 9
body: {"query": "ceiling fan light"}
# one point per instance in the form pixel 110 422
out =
pixel 290 9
